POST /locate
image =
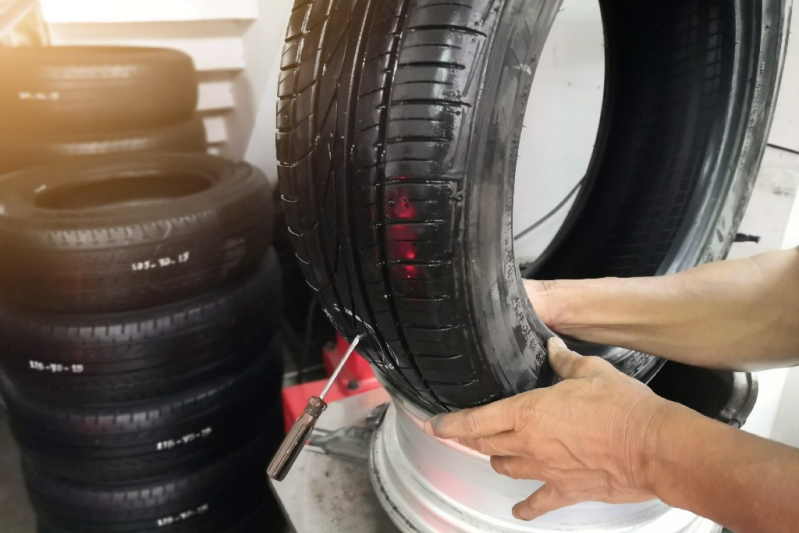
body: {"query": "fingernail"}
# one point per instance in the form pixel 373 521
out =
pixel 556 342
pixel 518 512
pixel 431 424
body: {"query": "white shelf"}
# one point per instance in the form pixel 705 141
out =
pixel 216 94
pixel 109 11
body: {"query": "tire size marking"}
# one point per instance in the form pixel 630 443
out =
pixel 39 95
pixel 180 517
pixel 55 368
pixel 161 262
pixel 185 439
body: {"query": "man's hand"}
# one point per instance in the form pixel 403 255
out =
pixel 600 435
pixel 741 315
pixel 587 438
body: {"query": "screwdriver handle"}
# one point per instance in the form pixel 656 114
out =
pixel 295 440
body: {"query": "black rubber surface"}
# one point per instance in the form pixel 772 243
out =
pixel 123 357
pixel 19 150
pixel 149 439
pixel 209 500
pixel 399 125
pixel 94 88
pixel 132 232
pixel 265 519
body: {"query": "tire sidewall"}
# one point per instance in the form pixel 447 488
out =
pixel 510 333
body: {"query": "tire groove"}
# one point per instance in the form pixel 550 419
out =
pixel 382 177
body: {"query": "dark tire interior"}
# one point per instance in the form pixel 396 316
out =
pixel 669 67
pixel 127 191
pixel 703 390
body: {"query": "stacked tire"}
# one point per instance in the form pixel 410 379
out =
pixel 141 356
pixel 67 101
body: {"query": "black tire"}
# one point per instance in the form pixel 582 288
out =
pixel 94 88
pixel 152 439
pixel 399 123
pixel 124 233
pixel 265 519
pixel 137 355
pixel 21 150
pixel 209 500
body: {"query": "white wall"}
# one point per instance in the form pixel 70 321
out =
pixel 560 126
pixel 785 425
pixel 785 131
pixel 771 204
pixel 263 45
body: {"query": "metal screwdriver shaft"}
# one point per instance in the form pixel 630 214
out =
pixel 341 364
pixel 303 427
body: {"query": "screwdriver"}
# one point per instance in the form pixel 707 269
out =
pixel 303 427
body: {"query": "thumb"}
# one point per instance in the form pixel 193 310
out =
pixel 544 500
pixel 566 363
pixel 543 295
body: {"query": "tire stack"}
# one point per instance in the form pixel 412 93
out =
pixel 66 101
pixel 141 305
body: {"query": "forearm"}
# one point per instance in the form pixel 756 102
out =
pixel 733 314
pixel 747 484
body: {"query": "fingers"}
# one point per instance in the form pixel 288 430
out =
pixel 568 364
pixel 544 500
pixel 472 423
pixel 541 294
pixel 507 443
pixel 516 467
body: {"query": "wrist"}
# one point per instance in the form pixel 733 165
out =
pixel 657 445
pixel 670 445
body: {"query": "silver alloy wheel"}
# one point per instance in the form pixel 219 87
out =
pixel 428 485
